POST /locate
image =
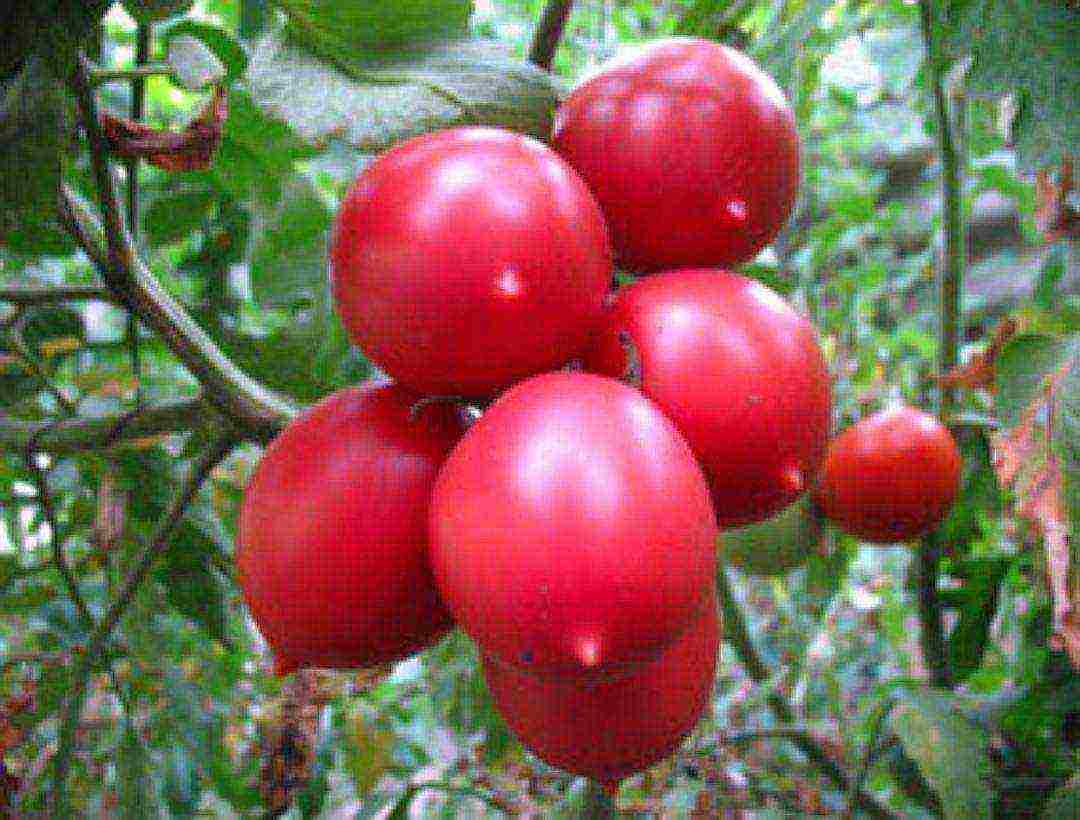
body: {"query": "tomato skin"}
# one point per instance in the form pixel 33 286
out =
pixel 691 150
pixel 332 538
pixel 738 371
pixel 608 730
pixel 465 260
pixel 572 532
pixel 891 476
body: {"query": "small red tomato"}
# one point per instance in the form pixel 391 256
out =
pixel 890 477
pixel 691 150
pixel 468 259
pixel 608 730
pixel 332 540
pixel 738 371
pixel 571 528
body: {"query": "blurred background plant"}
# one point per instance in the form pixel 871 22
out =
pixel 935 234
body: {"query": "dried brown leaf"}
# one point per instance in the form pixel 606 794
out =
pixel 1055 217
pixel 288 738
pixel 981 372
pixel 1025 461
pixel 189 150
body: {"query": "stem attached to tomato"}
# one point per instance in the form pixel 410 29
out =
pixel 950 277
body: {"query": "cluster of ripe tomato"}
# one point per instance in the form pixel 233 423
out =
pixel 572 529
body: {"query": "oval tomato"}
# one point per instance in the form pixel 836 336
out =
pixel 332 539
pixel 571 528
pixel 608 730
pixel 891 476
pixel 465 260
pixel 738 371
pixel 691 150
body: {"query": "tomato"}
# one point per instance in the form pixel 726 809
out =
pixel 332 542
pixel 608 730
pixel 468 259
pixel 738 371
pixel 691 150
pixel 572 532
pixel 890 477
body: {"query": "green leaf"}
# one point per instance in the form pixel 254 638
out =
pixel 949 749
pixel 372 106
pixel 980 493
pixel 1021 367
pixel 970 637
pixel 256 152
pixel 175 214
pixel 288 261
pixel 34 129
pixel 191 583
pixel 306 360
pixel 362 26
pixel 1028 48
pixel 221 43
pixel 133 773
pixel 1065 802
pixel 777 545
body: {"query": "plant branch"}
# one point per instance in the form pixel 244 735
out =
pixel 951 269
pixel 99 76
pixel 159 541
pixel 257 410
pixel 56 537
pixel 736 631
pixel 549 31
pixel 35 297
pixel 138 109
pixel 77 434
pixel 950 284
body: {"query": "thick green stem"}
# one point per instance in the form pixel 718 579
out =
pixel 950 279
pixel 548 32
pixel 736 631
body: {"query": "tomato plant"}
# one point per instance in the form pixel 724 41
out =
pixel 691 150
pixel 571 528
pixel 738 371
pixel 890 477
pixel 451 245
pixel 610 729
pixel 332 538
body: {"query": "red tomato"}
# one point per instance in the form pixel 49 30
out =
pixel 890 477
pixel 332 541
pixel 738 371
pixel 608 730
pixel 571 528
pixel 466 260
pixel 691 150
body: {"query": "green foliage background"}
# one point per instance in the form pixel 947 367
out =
pixel 181 705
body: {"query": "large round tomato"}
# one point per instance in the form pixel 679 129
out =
pixel 332 542
pixel 691 150
pixel 890 477
pixel 468 259
pixel 738 371
pixel 610 729
pixel 571 528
